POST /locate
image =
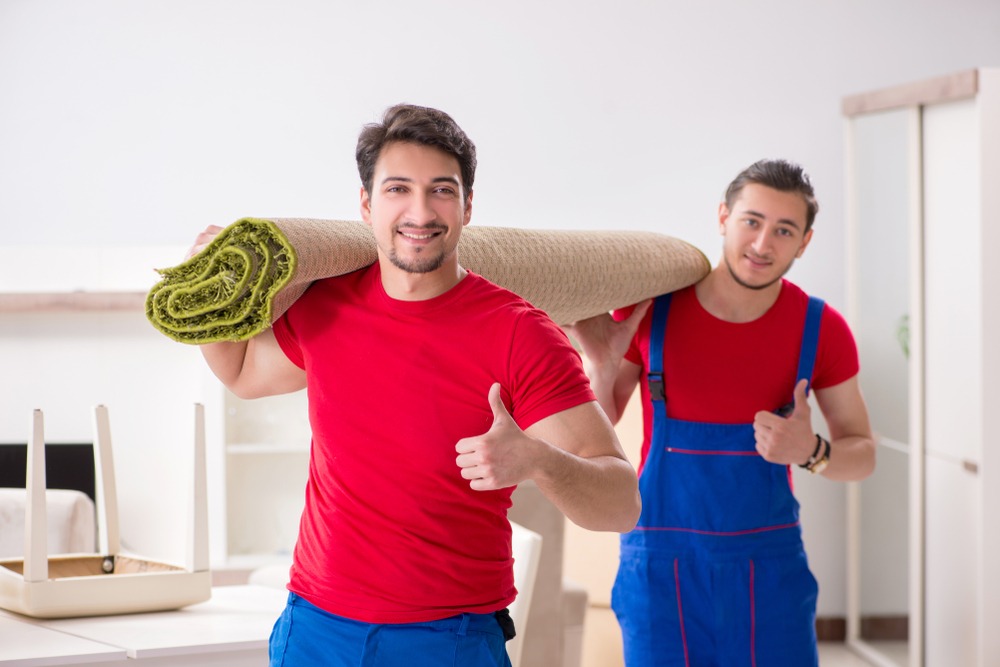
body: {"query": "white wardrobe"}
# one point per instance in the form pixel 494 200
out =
pixel 923 184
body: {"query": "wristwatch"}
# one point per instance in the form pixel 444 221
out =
pixel 820 458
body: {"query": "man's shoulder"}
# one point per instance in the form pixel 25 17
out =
pixel 834 329
pixel 320 293
pixel 793 293
pixel 491 296
pixel 344 281
pixel 684 297
pixel 500 311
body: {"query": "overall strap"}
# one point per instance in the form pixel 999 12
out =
pixel 810 337
pixel 657 330
pixel 807 351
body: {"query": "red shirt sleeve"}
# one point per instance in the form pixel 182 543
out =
pixel 547 370
pixel 287 341
pixel 837 351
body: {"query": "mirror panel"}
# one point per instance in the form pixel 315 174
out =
pixel 883 152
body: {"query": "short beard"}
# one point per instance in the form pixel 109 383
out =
pixel 427 265
pixel 743 283
pixel 422 263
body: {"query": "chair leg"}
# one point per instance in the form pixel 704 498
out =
pixel 36 527
pixel 109 538
pixel 198 538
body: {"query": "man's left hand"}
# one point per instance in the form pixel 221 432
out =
pixel 495 459
pixel 786 441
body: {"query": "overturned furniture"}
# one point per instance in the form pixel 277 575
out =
pixel 108 582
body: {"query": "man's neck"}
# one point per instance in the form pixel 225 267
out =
pixel 405 286
pixel 726 299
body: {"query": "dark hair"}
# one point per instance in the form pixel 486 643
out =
pixel 417 125
pixel 778 174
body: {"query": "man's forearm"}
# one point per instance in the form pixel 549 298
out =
pixel 602 383
pixel 597 493
pixel 852 458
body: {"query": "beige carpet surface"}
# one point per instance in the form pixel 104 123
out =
pixel 256 268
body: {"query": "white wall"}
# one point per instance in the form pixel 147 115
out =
pixel 139 122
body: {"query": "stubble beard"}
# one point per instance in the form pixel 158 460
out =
pixel 419 265
pixel 742 283
pixel 424 262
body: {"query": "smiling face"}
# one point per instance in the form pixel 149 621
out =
pixel 764 233
pixel 417 208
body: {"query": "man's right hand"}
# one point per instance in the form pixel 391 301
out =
pixel 605 341
pixel 202 240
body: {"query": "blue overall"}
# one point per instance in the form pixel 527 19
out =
pixel 715 574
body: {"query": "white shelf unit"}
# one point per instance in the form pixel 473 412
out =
pixel 259 488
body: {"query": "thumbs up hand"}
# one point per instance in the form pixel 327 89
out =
pixel 786 441
pixel 498 458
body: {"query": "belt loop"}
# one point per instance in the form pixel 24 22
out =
pixel 463 626
pixel 370 649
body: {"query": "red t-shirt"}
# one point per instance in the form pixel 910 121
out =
pixel 391 532
pixel 725 372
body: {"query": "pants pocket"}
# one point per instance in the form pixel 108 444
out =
pixel 785 593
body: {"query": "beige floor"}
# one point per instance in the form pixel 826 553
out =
pixel 602 645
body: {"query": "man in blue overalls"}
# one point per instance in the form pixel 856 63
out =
pixel 715 573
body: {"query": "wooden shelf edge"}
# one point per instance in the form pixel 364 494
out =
pixel 242 448
pixel 50 302
pixel 948 88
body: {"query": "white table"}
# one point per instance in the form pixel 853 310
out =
pixel 229 630
pixel 23 644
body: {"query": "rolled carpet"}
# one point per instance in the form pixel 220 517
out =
pixel 255 269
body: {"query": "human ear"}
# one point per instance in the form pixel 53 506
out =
pixel 468 210
pixel 723 216
pixel 805 242
pixel 366 206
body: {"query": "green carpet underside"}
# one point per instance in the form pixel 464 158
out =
pixel 224 293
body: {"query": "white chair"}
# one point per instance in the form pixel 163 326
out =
pixel 109 582
pixel 526 546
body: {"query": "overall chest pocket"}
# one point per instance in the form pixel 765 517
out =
pixel 710 478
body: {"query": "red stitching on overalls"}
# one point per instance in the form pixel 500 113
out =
pixel 753 620
pixel 704 452
pixel 710 532
pixel 680 614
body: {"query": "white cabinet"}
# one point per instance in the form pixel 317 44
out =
pixel 923 173
pixel 953 563
pixel 258 487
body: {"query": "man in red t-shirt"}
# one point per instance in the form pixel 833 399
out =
pixel 715 572
pixel 432 394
